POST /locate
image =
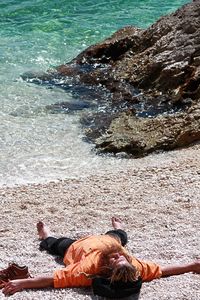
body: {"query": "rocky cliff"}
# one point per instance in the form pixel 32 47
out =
pixel 147 81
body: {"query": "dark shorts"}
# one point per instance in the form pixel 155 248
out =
pixel 59 246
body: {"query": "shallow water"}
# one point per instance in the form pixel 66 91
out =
pixel 36 35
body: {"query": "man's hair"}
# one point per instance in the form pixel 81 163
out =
pixel 124 273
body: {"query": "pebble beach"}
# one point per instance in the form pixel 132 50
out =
pixel 48 172
pixel 158 203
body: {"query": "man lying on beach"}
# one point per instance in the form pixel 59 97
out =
pixel 100 261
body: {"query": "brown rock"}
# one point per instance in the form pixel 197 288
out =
pixel 140 136
pixel 147 73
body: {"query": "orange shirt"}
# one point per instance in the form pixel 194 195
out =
pixel 83 257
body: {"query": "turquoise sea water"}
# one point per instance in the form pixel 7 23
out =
pixel 36 35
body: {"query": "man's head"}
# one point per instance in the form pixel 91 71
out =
pixel 123 281
pixel 122 269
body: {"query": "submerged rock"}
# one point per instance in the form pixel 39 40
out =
pixel 151 82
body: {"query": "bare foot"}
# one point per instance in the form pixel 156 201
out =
pixel 42 230
pixel 117 223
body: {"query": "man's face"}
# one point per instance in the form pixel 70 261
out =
pixel 117 260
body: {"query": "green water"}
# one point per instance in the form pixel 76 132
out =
pixel 58 30
pixel 36 35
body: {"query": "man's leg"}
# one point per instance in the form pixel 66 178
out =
pixel 118 231
pixel 51 244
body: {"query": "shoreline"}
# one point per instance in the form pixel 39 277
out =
pixel 158 202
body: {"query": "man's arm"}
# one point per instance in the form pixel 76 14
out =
pixel 17 285
pixel 181 269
